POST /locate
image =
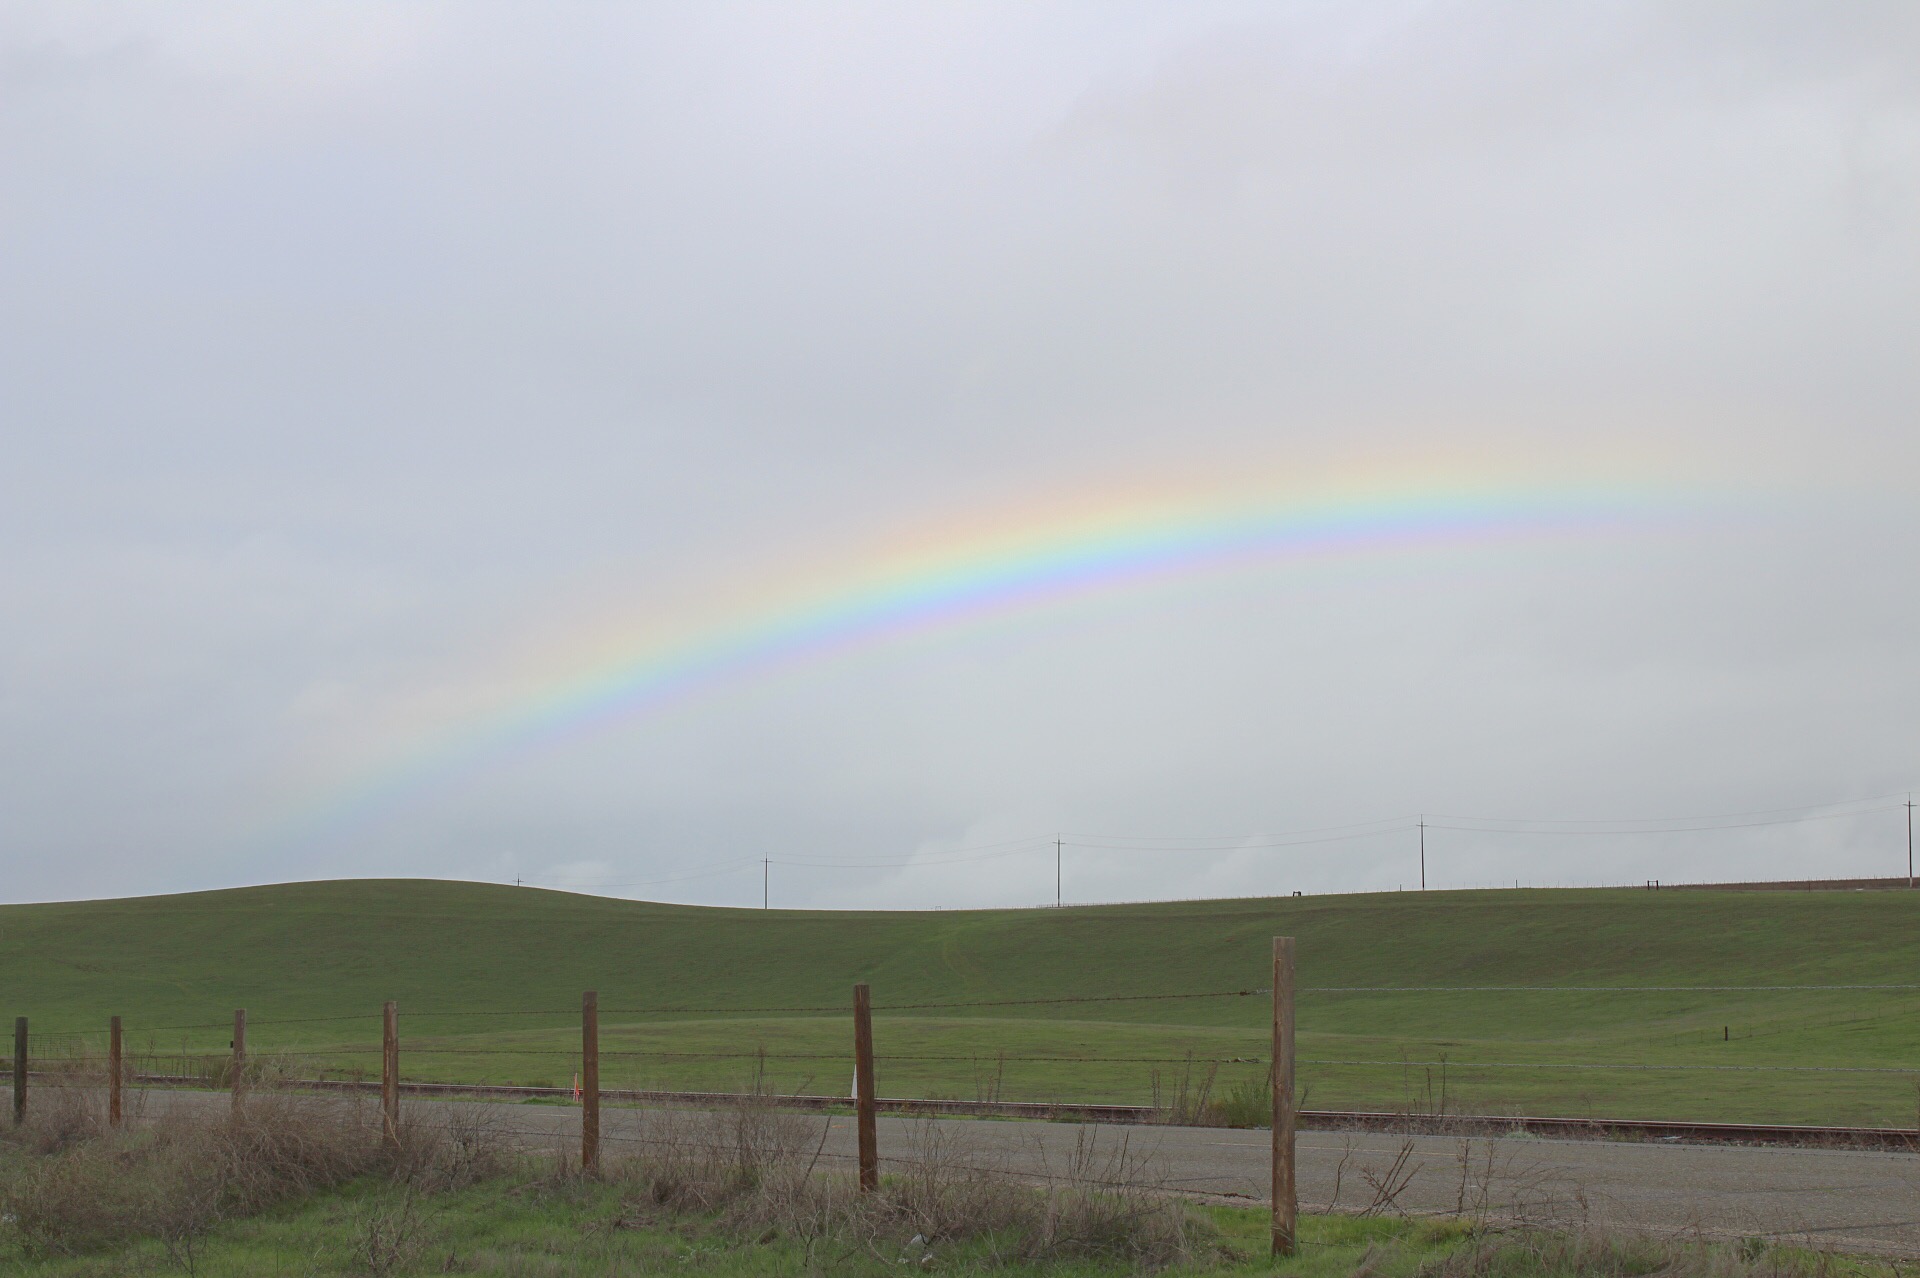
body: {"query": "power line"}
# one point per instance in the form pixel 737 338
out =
pixel 932 859
pixel 727 867
pixel 1215 844
pixel 1194 840
pixel 1249 846
pixel 1796 812
pixel 1593 829
pixel 998 847
pixel 1387 824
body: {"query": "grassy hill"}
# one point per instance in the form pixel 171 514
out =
pixel 488 979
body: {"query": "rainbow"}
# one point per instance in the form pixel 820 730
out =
pixel 956 581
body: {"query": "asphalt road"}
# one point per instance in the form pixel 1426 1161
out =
pixel 1844 1200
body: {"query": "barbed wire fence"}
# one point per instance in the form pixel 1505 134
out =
pixel 443 1058
pixel 186 1063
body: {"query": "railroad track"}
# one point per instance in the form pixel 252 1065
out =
pixel 1637 1129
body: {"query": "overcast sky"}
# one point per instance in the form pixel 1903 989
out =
pixel 367 371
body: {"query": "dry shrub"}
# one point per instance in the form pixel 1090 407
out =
pixel 753 1171
pixel 759 1173
pixel 1185 1099
pixel 700 1161
pixel 1107 1205
pixel 1593 1254
pixel 453 1146
pixel 389 1237
pixel 1101 1202
pixel 174 1178
pixel 1191 1097
pixel 279 1147
pixel 67 1104
pixel 62 1113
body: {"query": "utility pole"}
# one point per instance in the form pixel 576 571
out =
pixel 1056 865
pixel 766 882
pixel 1909 840
pixel 1423 851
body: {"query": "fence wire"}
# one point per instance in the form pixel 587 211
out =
pixel 678 1060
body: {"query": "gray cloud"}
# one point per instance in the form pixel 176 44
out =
pixel 354 362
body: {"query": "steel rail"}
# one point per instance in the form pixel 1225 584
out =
pixel 1901 1138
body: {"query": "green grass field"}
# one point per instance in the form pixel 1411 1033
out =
pixel 489 979
pixel 523 1227
pixel 519 1229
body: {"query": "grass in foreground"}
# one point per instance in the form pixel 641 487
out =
pixel 297 1186
pixel 529 1226
pixel 536 1225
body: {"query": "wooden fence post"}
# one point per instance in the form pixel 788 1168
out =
pixel 114 1071
pixel 1285 1198
pixel 590 1081
pixel 19 1070
pixel 239 1062
pixel 390 1072
pixel 863 1106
